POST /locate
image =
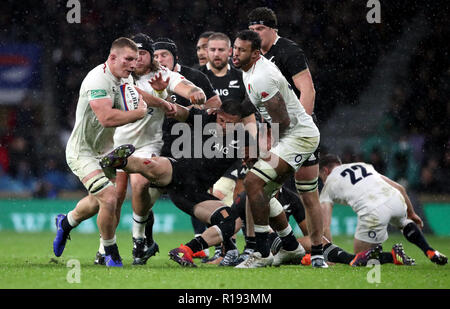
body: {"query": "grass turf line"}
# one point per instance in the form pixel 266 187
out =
pixel 27 261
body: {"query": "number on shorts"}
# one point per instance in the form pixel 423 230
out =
pixel 351 172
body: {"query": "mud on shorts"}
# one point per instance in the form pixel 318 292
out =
pixel 372 225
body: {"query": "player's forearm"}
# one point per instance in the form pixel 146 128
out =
pixel 117 118
pixel 213 102
pixel 182 113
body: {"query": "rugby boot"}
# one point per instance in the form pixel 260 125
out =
pixel 118 157
pixel 183 256
pixel 59 243
pixel 289 257
pixel 400 257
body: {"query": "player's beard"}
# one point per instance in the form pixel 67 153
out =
pixel 219 67
pixel 138 72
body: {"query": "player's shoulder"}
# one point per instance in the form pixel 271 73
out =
pixel 285 42
pixel 96 77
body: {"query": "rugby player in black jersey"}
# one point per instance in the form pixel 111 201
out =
pixel 166 53
pixel 227 83
pixel 185 179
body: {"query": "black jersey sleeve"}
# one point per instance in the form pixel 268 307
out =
pixel 204 83
pixel 295 60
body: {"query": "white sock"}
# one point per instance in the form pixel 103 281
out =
pixel 101 248
pixel 262 228
pixel 139 223
pixel 284 232
pixel 71 220
pixel 108 242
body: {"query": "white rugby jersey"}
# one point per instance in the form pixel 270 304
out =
pixel 262 81
pixel 88 135
pixel 358 185
pixel 147 131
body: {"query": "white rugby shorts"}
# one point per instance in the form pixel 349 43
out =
pixel 372 225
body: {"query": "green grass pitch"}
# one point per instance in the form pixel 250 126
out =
pixel 27 262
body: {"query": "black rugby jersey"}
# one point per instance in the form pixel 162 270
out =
pixel 200 80
pixel 289 58
pixel 227 86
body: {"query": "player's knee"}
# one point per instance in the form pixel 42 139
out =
pixel 224 219
pixel 306 186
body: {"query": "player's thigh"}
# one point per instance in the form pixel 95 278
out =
pixel 296 150
pixel 205 209
pixel 398 216
pixel 88 170
pixel 269 174
pixel 372 227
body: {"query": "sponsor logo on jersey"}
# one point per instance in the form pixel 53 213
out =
pixel 98 93
pixel 234 84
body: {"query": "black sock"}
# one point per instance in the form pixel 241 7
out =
pixel 113 251
pixel 414 234
pixel 262 244
pixel 149 228
pixel 290 243
pixel 335 254
pixel 275 243
pixel 66 227
pixel 250 243
pixel 197 244
pixel 316 250
pixel 229 244
pixel 386 258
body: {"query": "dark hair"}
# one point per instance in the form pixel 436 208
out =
pixel 329 160
pixel 124 42
pixel 232 107
pixel 205 35
pixel 263 16
pixel 252 36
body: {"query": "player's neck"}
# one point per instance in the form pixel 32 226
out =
pixel 110 70
pixel 265 49
pixel 247 67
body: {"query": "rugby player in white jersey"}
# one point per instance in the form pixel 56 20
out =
pixel 146 137
pixel 98 114
pixel 299 138
pixel 378 201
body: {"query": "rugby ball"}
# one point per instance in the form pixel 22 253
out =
pixel 129 97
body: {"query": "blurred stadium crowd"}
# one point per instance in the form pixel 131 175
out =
pixel 342 50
